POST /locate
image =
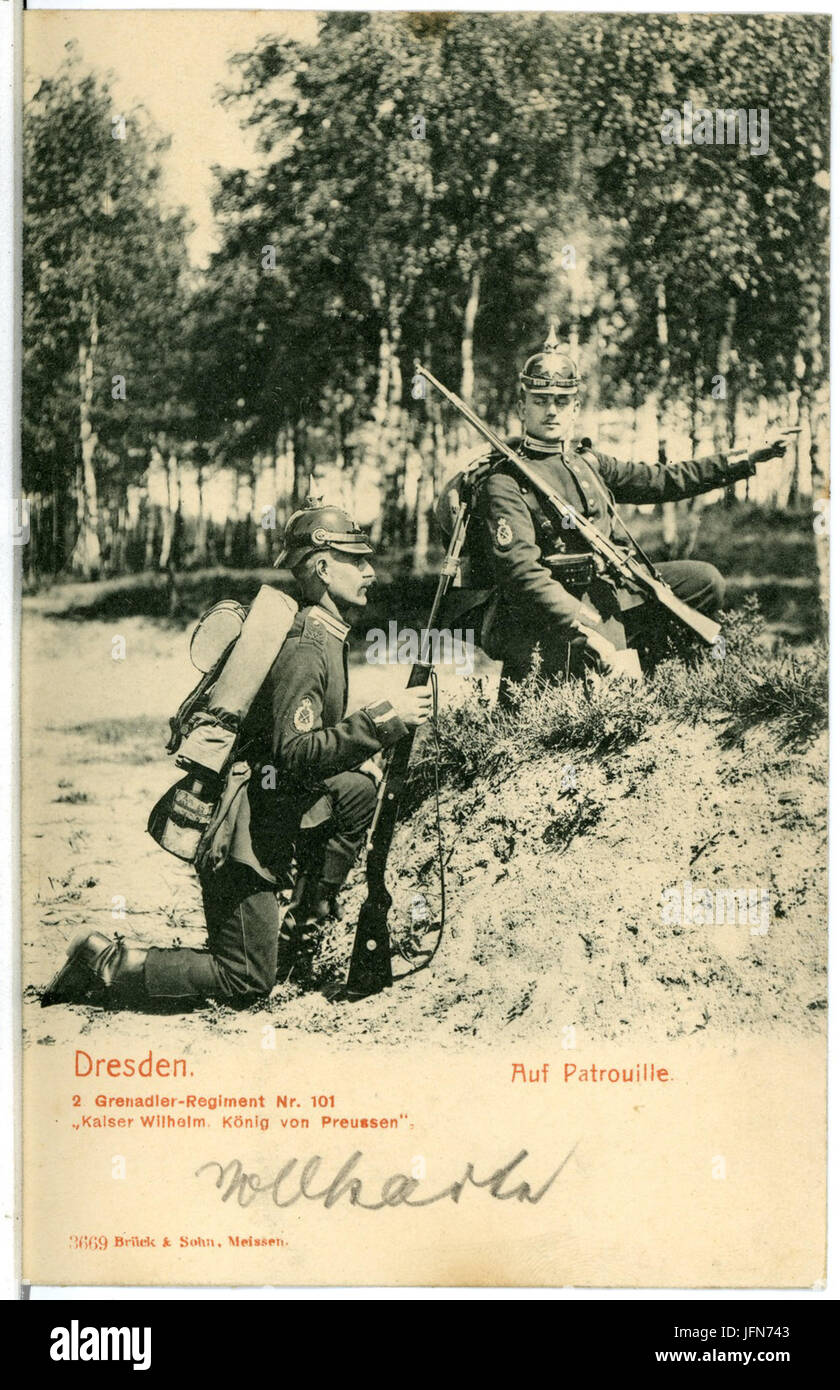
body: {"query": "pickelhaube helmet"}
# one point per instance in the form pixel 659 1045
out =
pixel 551 369
pixel 316 527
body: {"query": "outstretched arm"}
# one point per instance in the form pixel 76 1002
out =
pixel 668 482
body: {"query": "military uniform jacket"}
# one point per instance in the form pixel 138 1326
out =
pixel 298 733
pixel 511 536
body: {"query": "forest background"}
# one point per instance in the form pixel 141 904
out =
pixel 433 186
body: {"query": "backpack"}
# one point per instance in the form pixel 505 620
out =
pixel 235 651
pixel 457 489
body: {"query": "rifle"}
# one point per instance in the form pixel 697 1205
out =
pixel 635 574
pixel 370 961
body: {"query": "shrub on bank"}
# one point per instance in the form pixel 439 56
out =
pixel 746 683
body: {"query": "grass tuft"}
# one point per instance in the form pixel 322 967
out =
pixel 752 682
pixel 748 680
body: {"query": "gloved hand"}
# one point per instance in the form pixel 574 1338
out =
pixel 776 449
pixel 372 768
pixel 602 649
pixel 597 645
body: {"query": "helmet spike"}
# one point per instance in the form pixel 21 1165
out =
pixel 313 499
pixel 551 344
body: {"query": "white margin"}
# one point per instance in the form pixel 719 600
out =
pixel 10 1004
pixel 9 937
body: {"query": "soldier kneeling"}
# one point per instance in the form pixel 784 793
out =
pixel 310 801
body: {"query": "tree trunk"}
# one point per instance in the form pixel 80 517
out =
pixel 468 338
pixel 86 558
pixel 383 377
pixel 349 460
pixel 730 496
pixel 431 449
pixel 819 430
pixel 791 499
pixel 57 509
pixel 173 506
pixel 379 414
pixel 300 463
pixel 119 564
pixel 151 528
pixel 724 430
pixel 593 385
pixel 692 529
pixel 723 365
pixel 283 472
pixel 425 500
pixel 388 525
pixel 107 533
pixel 396 435
pixel 31 552
pixel 200 540
pixel 261 465
pixel 670 530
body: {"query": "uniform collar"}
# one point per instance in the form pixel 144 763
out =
pixel 539 446
pixel 330 621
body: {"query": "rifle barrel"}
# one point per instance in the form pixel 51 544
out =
pixel 702 626
pixel 370 960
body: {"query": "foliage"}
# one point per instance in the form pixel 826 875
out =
pixel 390 233
pixel 104 280
pixel 712 226
pixel 539 136
pixel 754 684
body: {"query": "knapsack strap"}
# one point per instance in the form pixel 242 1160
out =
pixel 193 703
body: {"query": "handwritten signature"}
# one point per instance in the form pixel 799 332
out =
pixel 232 1181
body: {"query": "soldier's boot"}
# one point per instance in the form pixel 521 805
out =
pixel 297 939
pixel 300 930
pixel 97 963
pixel 288 940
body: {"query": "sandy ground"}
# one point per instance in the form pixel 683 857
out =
pixel 555 876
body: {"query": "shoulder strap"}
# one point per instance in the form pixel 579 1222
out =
pixel 584 448
pixel 473 474
pixel 194 702
pixel 592 459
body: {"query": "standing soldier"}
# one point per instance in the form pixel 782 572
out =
pixel 547 586
pixel 311 797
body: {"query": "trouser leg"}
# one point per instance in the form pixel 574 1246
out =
pixel 242 920
pixel 332 834
pixel 353 797
pixel 698 584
